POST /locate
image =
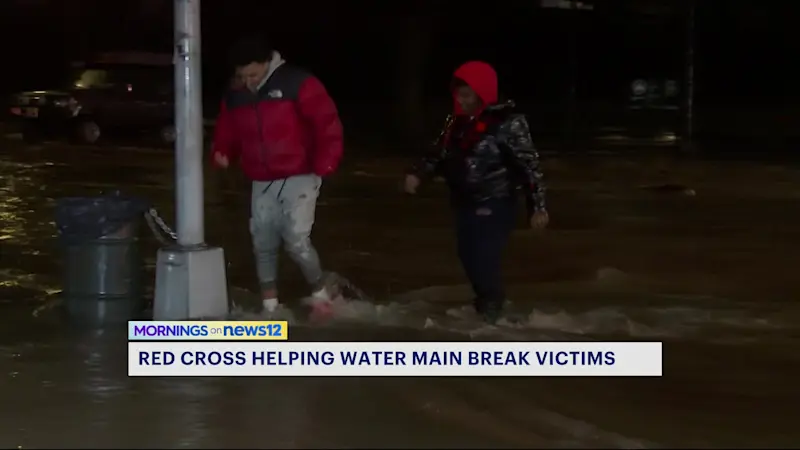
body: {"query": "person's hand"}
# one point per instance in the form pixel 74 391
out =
pixel 221 160
pixel 539 219
pixel 411 184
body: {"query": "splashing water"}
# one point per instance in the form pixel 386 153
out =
pixel 652 316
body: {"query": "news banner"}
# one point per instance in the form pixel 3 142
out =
pixel 263 349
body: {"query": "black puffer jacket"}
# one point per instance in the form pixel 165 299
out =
pixel 487 157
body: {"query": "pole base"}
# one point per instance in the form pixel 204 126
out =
pixel 190 284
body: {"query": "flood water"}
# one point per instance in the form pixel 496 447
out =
pixel 711 272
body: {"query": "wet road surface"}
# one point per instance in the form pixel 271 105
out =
pixel 712 274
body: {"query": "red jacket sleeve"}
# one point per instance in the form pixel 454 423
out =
pixel 318 109
pixel 224 136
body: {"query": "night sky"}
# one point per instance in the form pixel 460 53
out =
pixel 369 54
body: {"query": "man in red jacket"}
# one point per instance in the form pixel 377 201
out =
pixel 285 131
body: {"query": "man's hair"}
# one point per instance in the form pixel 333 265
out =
pixel 251 49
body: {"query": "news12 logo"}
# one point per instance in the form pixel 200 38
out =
pixel 208 331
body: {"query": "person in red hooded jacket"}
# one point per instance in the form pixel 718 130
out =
pixel 486 154
pixel 282 127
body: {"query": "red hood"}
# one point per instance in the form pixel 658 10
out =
pixel 482 78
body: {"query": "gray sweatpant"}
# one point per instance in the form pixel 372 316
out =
pixel 283 210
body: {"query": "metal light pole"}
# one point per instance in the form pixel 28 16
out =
pixel 188 124
pixel 190 276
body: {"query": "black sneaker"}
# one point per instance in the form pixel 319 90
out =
pixel 480 307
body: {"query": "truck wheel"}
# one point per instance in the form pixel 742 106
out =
pixel 89 132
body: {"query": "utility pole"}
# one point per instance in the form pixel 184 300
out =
pixel 573 9
pixel 572 99
pixel 190 276
pixel 688 126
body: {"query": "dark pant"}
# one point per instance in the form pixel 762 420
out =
pixel 482 231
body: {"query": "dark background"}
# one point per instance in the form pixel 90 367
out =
pixel 388 65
